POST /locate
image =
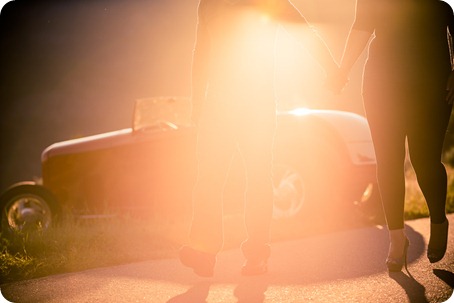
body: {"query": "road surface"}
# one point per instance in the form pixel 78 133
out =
pixel 346 266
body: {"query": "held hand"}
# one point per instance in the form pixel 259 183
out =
pixel 336 81
pixel 450 89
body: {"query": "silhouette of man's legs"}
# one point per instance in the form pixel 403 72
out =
pixel 256 145
pixel 216 145
pixel 223 130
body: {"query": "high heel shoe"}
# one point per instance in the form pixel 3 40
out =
pixel 396 264
pixel 438 241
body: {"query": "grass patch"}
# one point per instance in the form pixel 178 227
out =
pixel 76 245
pixel 415 204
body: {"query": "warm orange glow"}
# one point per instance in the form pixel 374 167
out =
pixel 265 18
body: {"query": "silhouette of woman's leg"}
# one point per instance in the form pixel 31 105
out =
pixel 387 123
pixel 391 179
pixel 425 142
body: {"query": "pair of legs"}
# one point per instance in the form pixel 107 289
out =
pixel 422 121
pixel 397 116
pixel 228 126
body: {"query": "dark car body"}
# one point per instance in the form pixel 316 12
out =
pixel 323 159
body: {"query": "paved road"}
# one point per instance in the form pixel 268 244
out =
pixel 345 266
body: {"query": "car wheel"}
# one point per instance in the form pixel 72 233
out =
pixel 308 181
pixel 289 192
pixel 27 207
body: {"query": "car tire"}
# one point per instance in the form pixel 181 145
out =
pixel 307 182
pixel 290 191
pixel 27 207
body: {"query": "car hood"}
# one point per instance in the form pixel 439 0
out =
pixel 112 139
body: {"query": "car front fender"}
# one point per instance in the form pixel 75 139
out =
pixel 352 129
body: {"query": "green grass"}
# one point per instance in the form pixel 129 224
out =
pixel 76 245
pixel 415 205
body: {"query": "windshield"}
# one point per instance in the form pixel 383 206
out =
pixel 173 112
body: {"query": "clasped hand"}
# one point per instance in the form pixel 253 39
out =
pixel 336 81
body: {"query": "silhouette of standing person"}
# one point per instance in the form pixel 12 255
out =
pixel 234 109
pixel 408 96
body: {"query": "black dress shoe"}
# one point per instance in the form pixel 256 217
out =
pixel 201 262
pixel 255 267
pixel 438 241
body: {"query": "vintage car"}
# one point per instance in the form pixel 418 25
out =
pixel 324 161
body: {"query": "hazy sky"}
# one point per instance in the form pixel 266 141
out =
pixel 87 68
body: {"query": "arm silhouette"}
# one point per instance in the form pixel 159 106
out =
pixel 297 26
pixel 201 54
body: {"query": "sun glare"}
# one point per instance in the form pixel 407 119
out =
pixel 300 111
pixel 2 3
pixel 450 2
pixel 298 76
pixel 264 18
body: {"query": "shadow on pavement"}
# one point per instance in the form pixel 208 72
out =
pixel 251 290
pixel 327 259
pixel 330 257
pixel 197 294
pixel 445 276
pixel 415 291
